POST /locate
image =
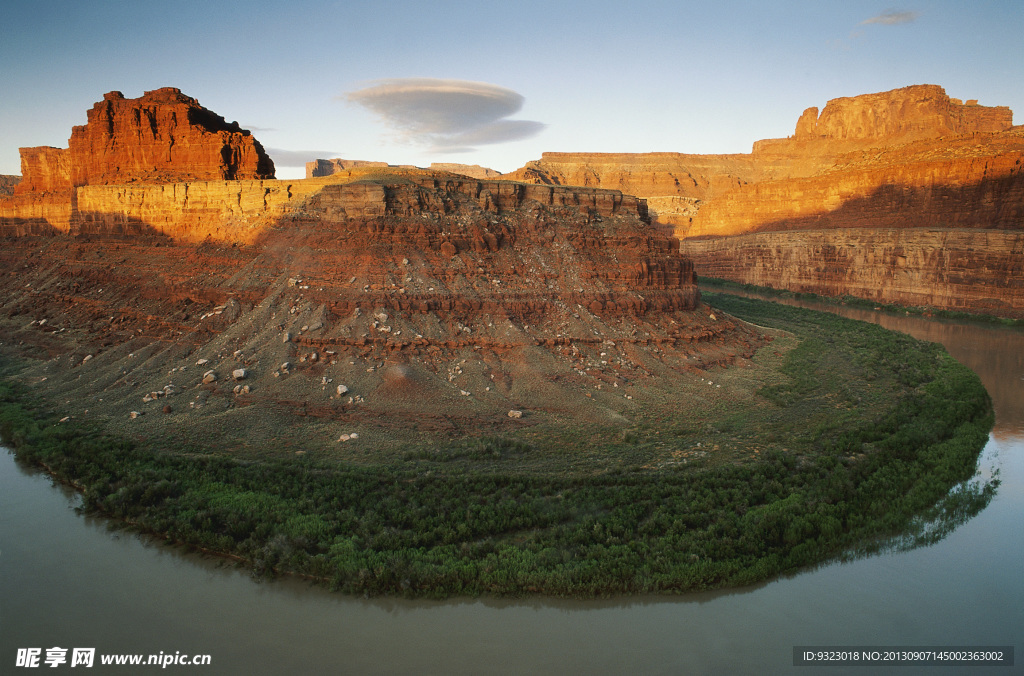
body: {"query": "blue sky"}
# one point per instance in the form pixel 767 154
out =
pixel 642 76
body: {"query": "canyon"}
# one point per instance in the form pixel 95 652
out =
pixel 892 170
pixel 393 301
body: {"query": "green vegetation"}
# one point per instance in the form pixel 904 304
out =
pixel 862 437
pixel 712 283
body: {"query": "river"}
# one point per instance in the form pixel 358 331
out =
pixel 70 581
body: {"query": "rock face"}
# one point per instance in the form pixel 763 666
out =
pixel 936 186
pixel 163 136
pixel 907 158
pixel 471 170
pixel 239 211
pixel 972 181
pixel 401 301
pixel 43 169
pixel 901 115
pixel 319 168
pixel 7 184
pixel 410 304
pixel 970 270
pixel 677 182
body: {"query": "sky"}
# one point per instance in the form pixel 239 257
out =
pixel 495 83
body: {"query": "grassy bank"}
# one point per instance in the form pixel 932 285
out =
pixel 861 436
pixel 726 285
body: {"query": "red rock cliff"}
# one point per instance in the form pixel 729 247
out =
pixel 163 136
pixel 911 158
pixel 900 115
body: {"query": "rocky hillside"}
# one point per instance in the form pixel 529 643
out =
pixel 389 302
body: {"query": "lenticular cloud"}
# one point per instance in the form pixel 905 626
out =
pixel 449 115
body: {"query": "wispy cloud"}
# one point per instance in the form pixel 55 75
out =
pixel 892 17
pixel 298 158
pixel 447 115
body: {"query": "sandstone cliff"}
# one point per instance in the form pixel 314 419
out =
pixel 676 182
pixel 7 184
pixel 320 168
pixel 907 158
pixel 848 135
pixel 970 270
pixel 973 181
pixel 400 303
pixel 163 136
pixel 471 170
pixel 239 211
pixel 900 116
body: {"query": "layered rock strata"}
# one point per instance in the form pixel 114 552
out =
pixel 238 211
pixel 321 168
pixel 397 300
pixel 971 270
pixel 905 159
pixel 439 303
pixel 7 184
pixel 973 181
pixel 163 136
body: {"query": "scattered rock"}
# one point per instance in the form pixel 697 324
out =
pixel 134 414
pixel 342 390
pixel 210 377
pixel 515 414
pixel 167 408
pixel 239 374
pixel 202 362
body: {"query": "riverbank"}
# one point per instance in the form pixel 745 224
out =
pixel 862 435
pixel 727 285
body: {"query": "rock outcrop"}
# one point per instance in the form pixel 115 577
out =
pixel 900 116
pixel 7 184
pixel 936 186
pixel 973 181
pixel 972 270
pixel 677 182
pixel 320 168
pixel 161 137
pixel 240 211
pixel 907 158
pixel 401 305
pixel 471 170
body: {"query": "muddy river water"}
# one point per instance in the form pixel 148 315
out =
pixel 69 581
